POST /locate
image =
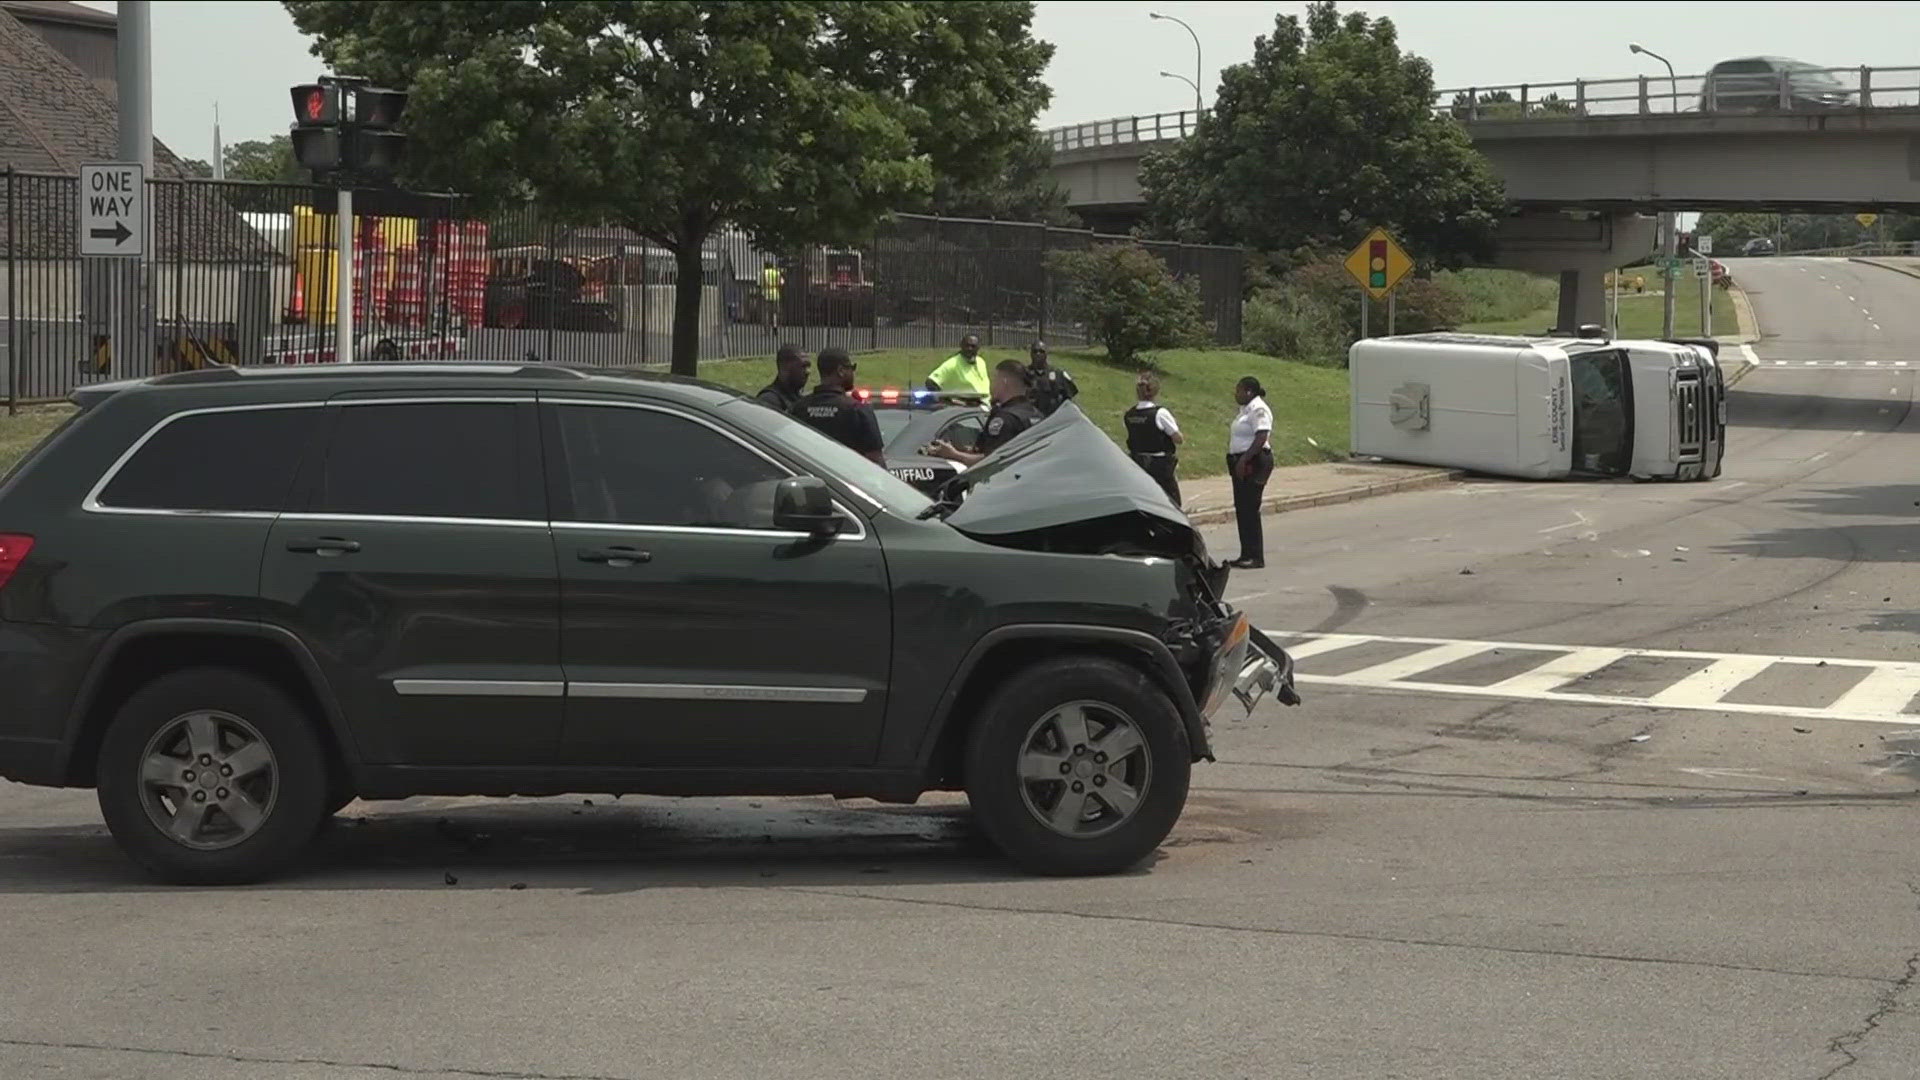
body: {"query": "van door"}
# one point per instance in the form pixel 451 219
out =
pixel 1602 413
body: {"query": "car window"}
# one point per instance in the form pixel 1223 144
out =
pixel 626 466
pixel 1741 67
pixel 438 459
pixel 217 461
pixel 965 432
pixel 835 461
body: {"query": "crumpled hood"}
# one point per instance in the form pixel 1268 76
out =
pixel 1062 475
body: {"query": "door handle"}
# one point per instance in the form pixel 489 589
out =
pixel 620 556
pixel 323 545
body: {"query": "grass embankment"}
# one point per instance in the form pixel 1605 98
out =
pixel 22 432
pixel 1641 314
pixel 1197 384
pixel 1309 402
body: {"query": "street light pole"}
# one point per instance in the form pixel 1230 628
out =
pixel 1189 82
pixel 1197 105
pixel 1673 81
pixel 1669 221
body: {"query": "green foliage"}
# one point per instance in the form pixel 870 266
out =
pixel 1327 131
pixel 267 161
pixel 1130 299
pixel 1024 190
pixel 1486 295
pixel 1799 232
pixel 1501 105
pixel 1313 313
pixel 800 122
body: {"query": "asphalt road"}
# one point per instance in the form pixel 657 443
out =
pixel 1380 883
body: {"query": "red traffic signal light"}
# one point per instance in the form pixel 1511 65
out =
pixel 314 103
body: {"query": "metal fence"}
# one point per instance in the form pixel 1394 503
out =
pixel 1768 87
pixel 1123 131
pixel 242 273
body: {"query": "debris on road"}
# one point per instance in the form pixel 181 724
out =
pixel 450 879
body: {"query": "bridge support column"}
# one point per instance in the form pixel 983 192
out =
pixel 1581 250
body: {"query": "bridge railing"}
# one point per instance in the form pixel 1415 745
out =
pixel 1796 90
pixel 1867 249
pixel 1123 130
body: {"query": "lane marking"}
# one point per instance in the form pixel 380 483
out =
pixel 1569 525
pixel 1885 689
pixel 1873 363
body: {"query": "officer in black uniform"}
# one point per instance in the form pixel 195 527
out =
pixel 833 411
pixel 1013 412
pixel 1153 435
pixel 789 380
pixel 1050 385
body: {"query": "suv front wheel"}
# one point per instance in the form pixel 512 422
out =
pixel 1078 766
pixel 212 777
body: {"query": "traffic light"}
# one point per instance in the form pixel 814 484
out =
pixel 316 131
pixel 1376 264
pixel 376 148
pixel 344 130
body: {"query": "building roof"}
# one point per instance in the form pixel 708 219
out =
pixel 59 11
pixel 53 119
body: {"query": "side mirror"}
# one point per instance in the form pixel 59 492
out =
pixel 803 504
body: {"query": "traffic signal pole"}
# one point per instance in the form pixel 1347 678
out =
pixel 128 326
pixel 343 277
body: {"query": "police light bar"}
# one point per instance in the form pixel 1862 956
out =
pixel 889 394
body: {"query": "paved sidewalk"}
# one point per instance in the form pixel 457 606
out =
pixel 1210 499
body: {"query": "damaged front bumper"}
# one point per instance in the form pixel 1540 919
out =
pixel 1248 666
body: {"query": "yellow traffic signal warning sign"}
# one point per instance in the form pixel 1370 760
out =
pixel 1379 263
pixel 1866 220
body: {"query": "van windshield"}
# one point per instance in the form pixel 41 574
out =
pixel 1602 413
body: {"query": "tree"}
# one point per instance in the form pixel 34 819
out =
pixel 1024 191
pixel 800 122
pixel 1130 300
pixel 196 168
pixel 267 161
pixel 1328 130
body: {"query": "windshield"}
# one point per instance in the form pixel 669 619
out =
pixel 1808 73
pixel 1602 423
pixel 892 423
pixel 898 496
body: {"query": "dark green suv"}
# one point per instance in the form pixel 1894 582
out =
pixel 233 600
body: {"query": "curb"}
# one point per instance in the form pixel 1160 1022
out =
pixel 1913 273
pixel 1284 503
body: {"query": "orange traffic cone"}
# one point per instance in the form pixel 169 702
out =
pixel 298 311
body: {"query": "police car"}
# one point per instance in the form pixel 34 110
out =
pixel 910 419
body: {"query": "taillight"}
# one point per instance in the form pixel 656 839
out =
pixel 13 551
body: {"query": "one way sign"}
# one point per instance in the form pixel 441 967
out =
pixel 113 208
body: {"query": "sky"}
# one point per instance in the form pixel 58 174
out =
pixel 244 54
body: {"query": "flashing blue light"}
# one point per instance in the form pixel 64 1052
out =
pixel 922 395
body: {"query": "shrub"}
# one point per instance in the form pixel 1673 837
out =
pixel 1130 300
pixel 1294 325
pixel 1488 295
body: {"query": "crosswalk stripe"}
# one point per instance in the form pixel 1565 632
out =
pixel 1438 656
pixel 1557 672
pixel 1885 689
pixel 1712 682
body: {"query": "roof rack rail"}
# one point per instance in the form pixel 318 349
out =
pixel 548 371
pixel 214 373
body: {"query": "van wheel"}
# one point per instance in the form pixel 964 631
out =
pixel 212 776
pixel 1078 766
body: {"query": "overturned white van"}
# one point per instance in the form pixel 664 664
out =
pixel 1541 407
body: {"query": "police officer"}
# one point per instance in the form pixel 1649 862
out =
pixel 789 380
pixel 1013 412
pixel 1051 385
pixel 835 412
pixel 1153 435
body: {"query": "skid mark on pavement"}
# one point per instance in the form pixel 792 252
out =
pixel 1874 691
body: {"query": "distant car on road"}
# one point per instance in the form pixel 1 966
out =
pixel 1754 84
pixel 1759 245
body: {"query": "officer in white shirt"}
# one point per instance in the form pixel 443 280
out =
pixel 1153 435
pixel 1249 464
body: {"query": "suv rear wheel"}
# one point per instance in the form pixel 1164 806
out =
pixel 1078 766
pixel 212 776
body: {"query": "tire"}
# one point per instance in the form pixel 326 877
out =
pixel 186 719
pixel 386 351
pixel 1016 744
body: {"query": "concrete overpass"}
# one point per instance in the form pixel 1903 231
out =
pixel 1584 161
